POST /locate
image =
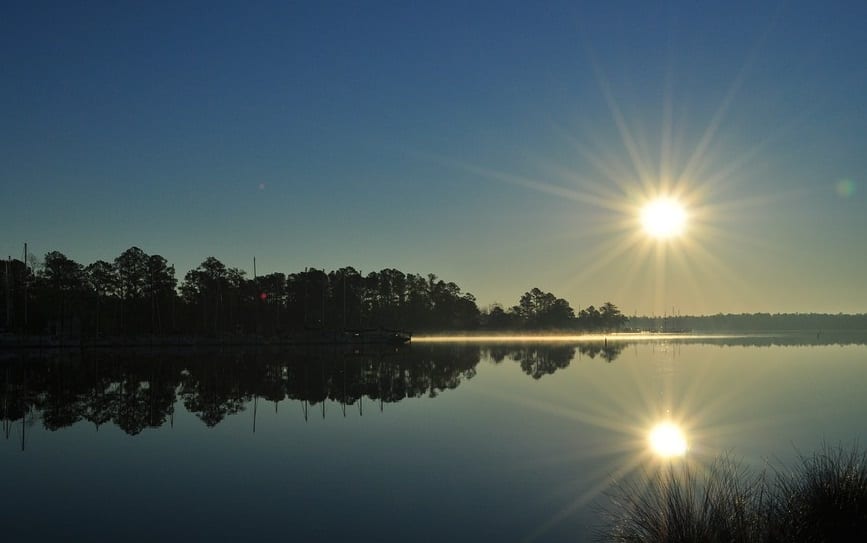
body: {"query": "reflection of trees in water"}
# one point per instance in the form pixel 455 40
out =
pixel 213 389
pixel 416 372
pixel 136 391
pixel 540 359
pixel 544 360
pixel 608 351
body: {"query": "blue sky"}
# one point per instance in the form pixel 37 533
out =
pixel 499 145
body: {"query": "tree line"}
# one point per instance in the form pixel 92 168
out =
pixel 138 293
pixel 739 322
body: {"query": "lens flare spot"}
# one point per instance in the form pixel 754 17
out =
pixel 667 440
pixel 845 188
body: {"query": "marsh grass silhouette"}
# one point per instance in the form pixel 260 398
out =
pixel 822 499
pixel 681 503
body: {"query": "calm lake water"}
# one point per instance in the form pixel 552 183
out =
pixel 433 442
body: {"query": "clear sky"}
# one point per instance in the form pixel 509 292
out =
pixel 499 145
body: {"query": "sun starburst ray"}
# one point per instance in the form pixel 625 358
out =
pixel 602 258
pixel 626 137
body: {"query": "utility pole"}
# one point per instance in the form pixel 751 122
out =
pixel 8 292
pixel 257 301
pixel 26 281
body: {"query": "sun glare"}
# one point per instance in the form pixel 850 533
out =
pixel 667 440
pixel 663 218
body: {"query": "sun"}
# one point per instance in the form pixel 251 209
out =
pixel 667 440
pixel 663 218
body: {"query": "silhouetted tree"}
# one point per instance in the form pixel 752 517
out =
pixel 62 281
pixel 16 282
pixel 589 318
pixel 271 299
pixel 308 297
pixel 132 273
pixel 610 317
pixel 159 288
pixel 239 298
pixel 496 318
pixel 102 282
pixel 347 294
pixel 204 288
pixel 537 310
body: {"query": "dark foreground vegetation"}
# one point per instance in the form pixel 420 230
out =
pixel 823 499
pixel 139 294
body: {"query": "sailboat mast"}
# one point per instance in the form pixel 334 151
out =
pixel 26 281
pixel 8 297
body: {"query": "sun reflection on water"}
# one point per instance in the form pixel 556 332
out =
pixel 667 440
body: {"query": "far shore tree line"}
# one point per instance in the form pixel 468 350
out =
pixel 138 294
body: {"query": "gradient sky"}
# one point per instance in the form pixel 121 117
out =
pixel 499 145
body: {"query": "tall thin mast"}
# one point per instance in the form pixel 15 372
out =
pixel 8 293
pixel 257 302
pixel 26 281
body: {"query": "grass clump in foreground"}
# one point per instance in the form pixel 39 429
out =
pixel 823 499
pixel 679 502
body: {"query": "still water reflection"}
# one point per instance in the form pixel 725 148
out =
pixel 458 441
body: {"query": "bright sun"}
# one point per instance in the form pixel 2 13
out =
pixel 663 218
pixel 667 440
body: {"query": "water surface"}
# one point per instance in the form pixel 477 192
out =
pixel 459 441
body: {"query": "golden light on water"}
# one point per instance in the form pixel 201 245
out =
pixel 663 218
pixel 667 440
pixel 621 337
